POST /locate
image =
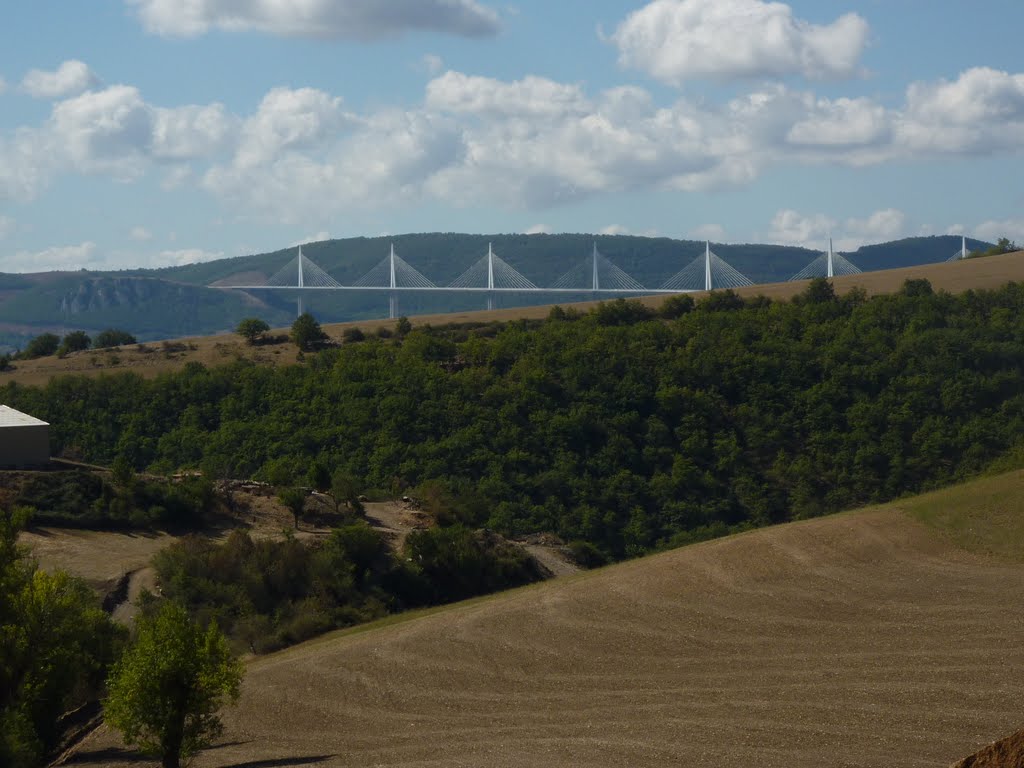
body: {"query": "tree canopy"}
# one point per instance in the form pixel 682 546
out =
pixel 307 333
pixel 57 644
pixel 252 329
pixel 620 428
pixel 165 692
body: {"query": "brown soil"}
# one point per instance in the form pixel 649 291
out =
pixel 153 358
pixel 854 640
pixel 1005 753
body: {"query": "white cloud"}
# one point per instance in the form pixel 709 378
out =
pixel 982 111
pixel 70 78
pixel 537 229
pixel 319 237
pixel 348 19
pixel 526 144
pixel 679 40
pixel 104 131
pixel 618 229
pixel 714 232
pixel 531 97
pixel 880 226
pixel 789 227
pixel 187 256
pixel 288 120
pixel 25 165
pixel 65 258
pixel 140 234
pixel 841 123
pixel 190 132
pixel 432 63
pixel 992 230
pixel 6 226
pixel 115 131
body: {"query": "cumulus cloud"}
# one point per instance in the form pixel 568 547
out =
pixel 346 19
pixel 529 97
pixel 70 78
pixel 288 120
pixel 61 257
pixel 679 40
pixel 841 123
pixel 982 111
pixel 140 234
pixel 789 227
pixel 115 131
pixel 528 144
pixel 537 229
pixel 880 226
pixel 992 230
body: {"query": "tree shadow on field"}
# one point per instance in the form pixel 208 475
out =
pixel 107 756
pixel 280 762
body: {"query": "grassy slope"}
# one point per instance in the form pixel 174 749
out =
pixel 861 639
pixel 975 274
pixel 985 516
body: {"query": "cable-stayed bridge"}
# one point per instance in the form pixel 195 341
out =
pixel 828 264
pixel 491 275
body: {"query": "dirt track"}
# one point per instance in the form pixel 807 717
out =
pixel 856 640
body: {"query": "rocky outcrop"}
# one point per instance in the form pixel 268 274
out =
pixel 1005 753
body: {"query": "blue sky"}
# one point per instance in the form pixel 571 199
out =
pixel 159 132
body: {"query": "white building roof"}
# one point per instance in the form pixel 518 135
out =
pixel 12 418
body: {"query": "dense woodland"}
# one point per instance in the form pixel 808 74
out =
pixel 619 430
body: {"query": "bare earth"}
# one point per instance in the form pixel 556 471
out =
pixel 987 273
pixel 862 639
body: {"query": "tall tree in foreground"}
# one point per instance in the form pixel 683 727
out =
pixel 165 691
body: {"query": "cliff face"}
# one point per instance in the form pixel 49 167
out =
pixel 109 292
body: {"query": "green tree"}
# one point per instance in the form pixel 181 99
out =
pixel 56 645
pixel 307 333
pixel 252 329
pixel 165 691
pixel 76 341
pixel 42 345
pixel 345 488
pixel 112 337
pixel 403 326
pixel 295 500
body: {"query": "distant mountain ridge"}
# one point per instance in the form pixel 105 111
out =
pixel 175 301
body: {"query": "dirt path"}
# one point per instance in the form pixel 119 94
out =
pixel 395 520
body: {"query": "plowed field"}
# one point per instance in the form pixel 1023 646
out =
pixel 865 639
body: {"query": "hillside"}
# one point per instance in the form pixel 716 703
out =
pixel 954 277
pixel 176 301
pixel 861 639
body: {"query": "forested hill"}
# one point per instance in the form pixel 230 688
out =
pixel 172 302
pixel 622 430
pixel 544 258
